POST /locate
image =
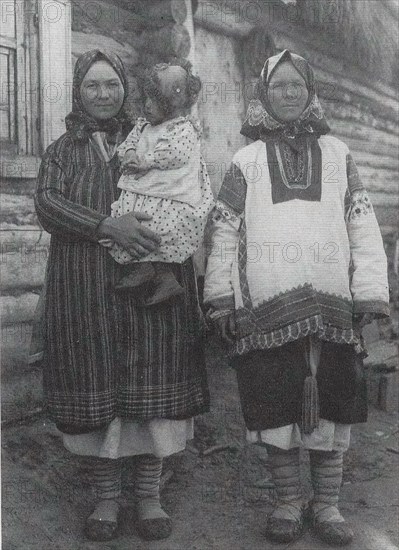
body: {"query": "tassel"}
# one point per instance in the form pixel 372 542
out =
pixel 310 397
pixel 310 405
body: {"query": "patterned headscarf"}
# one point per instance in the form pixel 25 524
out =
pixel 261 122
pixel 79 122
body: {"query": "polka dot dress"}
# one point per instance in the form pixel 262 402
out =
pixel 179 220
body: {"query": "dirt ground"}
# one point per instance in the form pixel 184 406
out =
pixel 218 497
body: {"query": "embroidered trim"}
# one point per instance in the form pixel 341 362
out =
pixel 295 331
pixel 294 305
pixel 286 168
pixel 226 211
pixel 360 205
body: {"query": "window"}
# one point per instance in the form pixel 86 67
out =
pixel 7 106
pixel 9 42
pixel 35 72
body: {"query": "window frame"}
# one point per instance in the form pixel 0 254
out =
pixel 35 126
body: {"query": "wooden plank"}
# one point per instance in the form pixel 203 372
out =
pixel 82 42
pixel 161 12
pixel 17 209
pixel 55 67
pixel 384 199
pixel 21 82
pixel 363 133
pixel 18 309
pixel 23 270
pixel 170 40
pixel 351 112
pixel 19 166
pixel 32 79
pixel 17 237
pixel 356 145
pixel 363 158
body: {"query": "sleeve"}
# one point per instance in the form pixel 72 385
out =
pixel 58 215
pixel 222 248
pixel 132 139
pixel 369 280
pixel 173 149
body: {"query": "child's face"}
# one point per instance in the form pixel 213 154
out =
pixel 287 92
pixel 153 111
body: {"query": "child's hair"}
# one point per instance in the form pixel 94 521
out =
pixel 152 86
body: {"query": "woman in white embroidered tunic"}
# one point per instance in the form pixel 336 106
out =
pixel 297 266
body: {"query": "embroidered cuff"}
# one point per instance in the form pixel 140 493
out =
pixel 222 303
pixel 223 212
pixel 379 308
pixel 218 314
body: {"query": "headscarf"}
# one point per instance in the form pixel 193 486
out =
pixel 261 122
pixel 293 151
pixel 79 122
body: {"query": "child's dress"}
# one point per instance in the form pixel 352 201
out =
pixel 168 188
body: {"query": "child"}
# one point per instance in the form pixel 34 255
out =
pixel 310 271
pixel 161 164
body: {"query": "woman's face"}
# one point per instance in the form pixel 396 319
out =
pixel 287 92
pixel 102 91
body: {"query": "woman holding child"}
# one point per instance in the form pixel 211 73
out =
pixel 123 376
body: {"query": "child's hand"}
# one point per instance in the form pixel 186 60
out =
pixel 140 174
pixel 130 162
pixel 226 327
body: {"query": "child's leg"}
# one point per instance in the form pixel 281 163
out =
pixel 285 523
pixel 326 469
pixel 153 522
pixel 165 285
pixel 104 475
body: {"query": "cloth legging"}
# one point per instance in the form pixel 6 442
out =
pixel 104 476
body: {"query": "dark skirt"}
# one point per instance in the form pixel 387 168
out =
pixel 271 382
pixel 119 358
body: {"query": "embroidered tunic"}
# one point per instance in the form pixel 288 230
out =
pixel 106 356
pixel 294 260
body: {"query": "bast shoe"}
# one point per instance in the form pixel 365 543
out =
pixel 335 533
pixel 285 530
pixel 154 529
pixel 98 529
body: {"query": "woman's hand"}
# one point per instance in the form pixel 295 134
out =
pixel 130 234
pixel 226 327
